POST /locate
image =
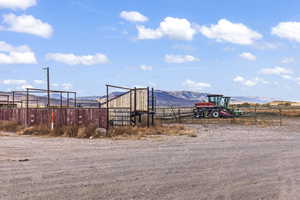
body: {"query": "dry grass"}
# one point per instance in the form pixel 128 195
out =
pixel 245 121
pixel 142 132
pixel 67 131
pixel 36 130
pixel 91 131
pixel 10 126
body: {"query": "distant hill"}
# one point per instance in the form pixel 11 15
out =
pixel 187 98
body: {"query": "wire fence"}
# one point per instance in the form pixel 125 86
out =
pixel 256 115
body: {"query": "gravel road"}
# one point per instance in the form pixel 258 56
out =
pixel 223 162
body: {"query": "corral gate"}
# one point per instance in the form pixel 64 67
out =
pixel 131 107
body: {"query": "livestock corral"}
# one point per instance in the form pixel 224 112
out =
pixel 131 107
pixel 251 156
pixel 30 108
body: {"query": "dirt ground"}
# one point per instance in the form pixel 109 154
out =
pixel 224 162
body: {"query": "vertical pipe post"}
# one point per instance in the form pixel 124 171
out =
pixel 152 106
pixel 61 100
pixel 27 106
pixel 255 110
pixel 148 108
pixel 107 110
pixel 135 99
pixel 48 86
pixel 280 115
pixel 130 107
pixel 68 100
pixel 75 99
pixel 7 101
pixel 13 99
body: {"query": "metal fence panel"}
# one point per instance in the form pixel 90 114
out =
pixel 61 116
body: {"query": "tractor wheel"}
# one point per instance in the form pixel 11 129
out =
pixel 215 114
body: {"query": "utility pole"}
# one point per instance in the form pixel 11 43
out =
pixel 48 86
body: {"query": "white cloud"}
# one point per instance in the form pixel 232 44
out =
pixel 133 16
pixel 276 71
pixel 180 59
pixel 192 85
pixel 262 45
pixel 230 32
pixel 67 86
pixel 27 24
pixel 13 82
pixel 39 82
pixel 249 83
pixel 146 68
pixel 16 55
pixel 288 60
pixel 288 30
pixel 147 33
pixel 17 4
pixel 173 28
pixel 239 79
pixel 248 56
pixel 72 59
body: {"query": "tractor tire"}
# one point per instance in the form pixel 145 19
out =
pixel 215 114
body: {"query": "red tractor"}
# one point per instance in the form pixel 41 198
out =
pixel 216 107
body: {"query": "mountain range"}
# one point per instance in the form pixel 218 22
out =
pixel 185 98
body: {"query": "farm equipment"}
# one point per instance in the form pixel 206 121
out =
pixel 216 107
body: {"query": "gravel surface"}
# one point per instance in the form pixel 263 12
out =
pixel 223 162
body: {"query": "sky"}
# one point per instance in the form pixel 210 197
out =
pixel 232 47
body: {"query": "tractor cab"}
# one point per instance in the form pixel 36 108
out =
pixel 226 102
pixel 216 99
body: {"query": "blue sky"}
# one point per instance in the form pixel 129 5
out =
pixel 247 48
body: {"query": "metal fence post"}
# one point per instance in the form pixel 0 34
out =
pixel 107 111
pixel 153 106
pixel 148 108
pixel 255 111
pixel 27 106
pixel 280 116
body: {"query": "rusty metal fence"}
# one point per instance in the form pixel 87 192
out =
pixel 59 116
